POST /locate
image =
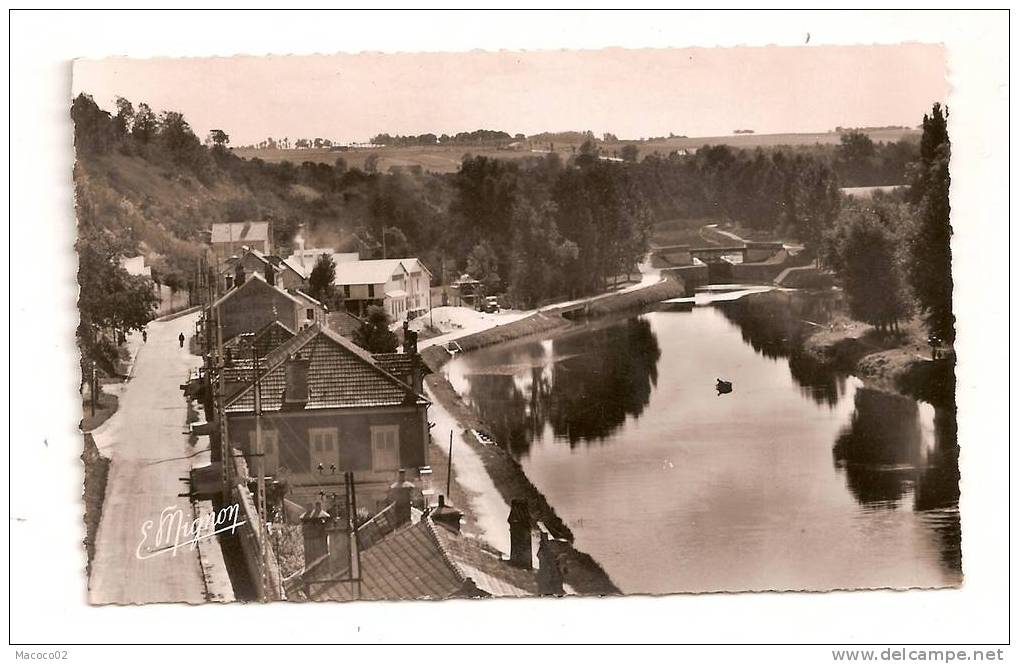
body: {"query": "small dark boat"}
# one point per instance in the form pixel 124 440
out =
pixel 723 386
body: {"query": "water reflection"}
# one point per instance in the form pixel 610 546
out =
pixel 894 447
pixel 776 324
pixel 583 386
pixel 800 478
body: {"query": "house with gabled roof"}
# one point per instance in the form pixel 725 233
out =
pixel 403 553
pixel 264 341
pixel 228 238
pixel 378 283
pixel 250 306
pixel 274 269
pixel 401 286
pixel 328 407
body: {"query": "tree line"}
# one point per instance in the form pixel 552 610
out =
pixel 534 228
pixel 478 137
pixel 892 253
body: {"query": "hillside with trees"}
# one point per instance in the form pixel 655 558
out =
pixel 535 227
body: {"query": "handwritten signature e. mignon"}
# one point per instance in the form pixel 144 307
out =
pixel 176 531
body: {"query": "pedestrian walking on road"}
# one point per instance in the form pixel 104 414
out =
pixel 145 336
pixel 181 339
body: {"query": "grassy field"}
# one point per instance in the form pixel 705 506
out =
pixel 437 159
pixel 446 159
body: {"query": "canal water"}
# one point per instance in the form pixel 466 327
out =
pixel 800 478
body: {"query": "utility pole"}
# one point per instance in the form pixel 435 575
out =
pixel 226 456
pixel 449 467
pixel 92 388
pixel 260 472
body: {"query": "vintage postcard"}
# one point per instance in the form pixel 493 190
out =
pixel 516 324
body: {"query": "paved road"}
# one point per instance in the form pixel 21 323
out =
pixel 145 440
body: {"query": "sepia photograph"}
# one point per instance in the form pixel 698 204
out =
pixel 471 347
pixel 525 328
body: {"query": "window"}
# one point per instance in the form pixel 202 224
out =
pixel 311 314
pixel 324 449
pixel 371 291
pixel 385 448
pixel 270 450
pixel 346 291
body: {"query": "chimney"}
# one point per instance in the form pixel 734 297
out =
pixel 400 493
pixel 447 515
pixel 410 340
pixel 550 577
pixel 416 386
pixel 520 533
pixel 295 394
pixel 314 533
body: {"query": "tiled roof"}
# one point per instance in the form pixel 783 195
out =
pixel 400 365
pixel 246 231
pixel 340 375
pixel 265 340
pixel 423 560
pixel 485 566
pixel 253 278
pixel 301 295
pixel 343 322
pixel 282 263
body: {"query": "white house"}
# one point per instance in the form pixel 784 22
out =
pixel 402 286
pixel 303 260
pixel 419 287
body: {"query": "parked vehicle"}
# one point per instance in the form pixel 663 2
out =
pixel 490 305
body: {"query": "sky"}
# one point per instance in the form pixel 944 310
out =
pixel 632 93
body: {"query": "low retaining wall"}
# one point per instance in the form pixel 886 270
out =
pixel 586 575
pixel 690 276
pixel 550 319
pixel 436 356
pixel 806 276
pixel 636 299
pixel 180 313
pixel 581 572
pixel 252 537
pixel 757 272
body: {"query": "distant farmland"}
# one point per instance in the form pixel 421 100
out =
pixel 446 158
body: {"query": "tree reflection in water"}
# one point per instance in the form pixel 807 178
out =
pixel 776 324
pixel 582 385
pixel 888 450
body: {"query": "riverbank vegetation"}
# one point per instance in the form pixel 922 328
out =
pixel 892 253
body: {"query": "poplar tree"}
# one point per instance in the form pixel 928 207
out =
pixel 930 272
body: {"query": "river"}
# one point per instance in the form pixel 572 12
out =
pixel 799 479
